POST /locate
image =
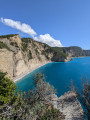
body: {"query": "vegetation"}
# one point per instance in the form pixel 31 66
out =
pixel 57 50
pixel 52 114
pixel 24 47
pixel 28 106
pixel 7 89
pixel 74 50
pixel 84 98
pixel 8 36
pixel 27 40
pixel 36 51
pixel 2 45
pixel 46 54
pixel 14 44
pixel 29 55
pixel 47 48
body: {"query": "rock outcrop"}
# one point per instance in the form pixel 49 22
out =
pixel 69 105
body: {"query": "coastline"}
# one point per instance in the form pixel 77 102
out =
pixel 28 72
pixel 38 66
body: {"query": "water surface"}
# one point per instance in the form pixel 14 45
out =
pixel 60 74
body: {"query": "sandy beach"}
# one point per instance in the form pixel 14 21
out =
pixel 28 72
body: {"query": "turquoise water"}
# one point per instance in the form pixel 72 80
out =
pixel 60 75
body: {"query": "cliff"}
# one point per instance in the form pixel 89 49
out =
pixel 20 56
pixel 75 51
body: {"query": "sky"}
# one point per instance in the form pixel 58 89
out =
pixel 55 22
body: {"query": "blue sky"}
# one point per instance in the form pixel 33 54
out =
pixel 64 20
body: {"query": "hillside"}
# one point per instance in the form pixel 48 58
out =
pixel 74 51
pixel 20 56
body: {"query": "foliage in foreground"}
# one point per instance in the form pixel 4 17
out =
pixel 7 89
pixel 32 105
pixel 85 98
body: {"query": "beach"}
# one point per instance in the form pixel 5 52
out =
pixel 15 79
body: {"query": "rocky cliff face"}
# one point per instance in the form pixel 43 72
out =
pixel 19 56
pixel 75 51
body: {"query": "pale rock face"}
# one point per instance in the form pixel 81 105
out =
pixel 21 67
pixel 6 62
pixel 69 105
pixel 24 56
pixel 16 39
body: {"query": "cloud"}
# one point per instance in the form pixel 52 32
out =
pixel 25 28
pixel 46 38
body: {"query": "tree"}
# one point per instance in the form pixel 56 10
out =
pixel 32 105
pixel 43 89
pixel 7 89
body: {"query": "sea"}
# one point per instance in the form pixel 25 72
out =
pixel 62 75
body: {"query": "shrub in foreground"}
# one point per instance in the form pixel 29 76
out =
pixel 32 105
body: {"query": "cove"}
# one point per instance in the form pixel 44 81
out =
pixel 60 75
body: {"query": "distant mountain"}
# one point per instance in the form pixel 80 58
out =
pixel 74 51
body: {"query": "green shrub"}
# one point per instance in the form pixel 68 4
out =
pixel 53 114
pixel 2 45
pixel 27 106
pixel 27 40
pixel 24 47
pixel 7 89
pixel 36 51
pixel 14 44
pixel 29 55
pixel 8 36
pixel 46 54
pixel 58 50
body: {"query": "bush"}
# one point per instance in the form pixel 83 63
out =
pixel 8 36
pixel 58 50
pixel 24 47
pixel 27 40
pixel 53 114
pixel 84 97
pixel 29 55
pixel 30 105
pixel 14 44
pixel 7 89
pixel 2 45
pixel 43 88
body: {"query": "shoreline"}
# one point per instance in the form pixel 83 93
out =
pixel 28 72
pixel 38 66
